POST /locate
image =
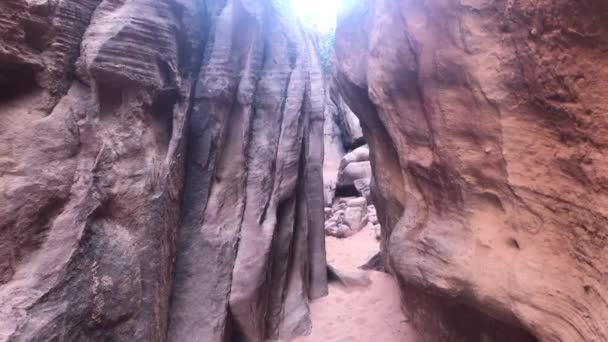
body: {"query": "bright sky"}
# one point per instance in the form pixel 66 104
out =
pixel 318 14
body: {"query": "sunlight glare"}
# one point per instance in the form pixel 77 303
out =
pixel 317 14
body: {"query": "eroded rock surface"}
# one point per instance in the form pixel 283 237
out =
pixel 487 131
pixel 342 136
pixel 355 166
pixel 91 166
pixel 347 171
pixel 347 121
pixel 251 249
pixel 98 100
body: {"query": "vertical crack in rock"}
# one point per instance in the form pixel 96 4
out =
pixel 236 271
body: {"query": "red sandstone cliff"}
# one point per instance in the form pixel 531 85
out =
pixel 488 133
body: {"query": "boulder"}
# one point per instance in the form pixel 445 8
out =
pixel 337 225
pixel 333 151
pixel 355 165
pixel 358 202
pixel 363 186
pixel 372 219
pixel 354 171
pixel 360 154
pixel 355 214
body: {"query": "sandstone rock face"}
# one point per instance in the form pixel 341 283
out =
pixel 91 167
pixel 334 150
pixel 487 130
pixel 108 109
pixel 345 174
pixel 355 166
pixel 251 248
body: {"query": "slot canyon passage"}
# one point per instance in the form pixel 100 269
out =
pixel 169 170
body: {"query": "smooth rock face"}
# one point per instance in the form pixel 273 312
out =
pixel 91 167
pixel 357 216
pixel 347 121
pixel 487 130
pixel 108 109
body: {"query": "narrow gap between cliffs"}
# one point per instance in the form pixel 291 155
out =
pixel 363 302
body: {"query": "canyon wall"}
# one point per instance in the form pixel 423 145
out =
pixel 108 109
pixel 334 149
pixel 251 250
pixel 486 122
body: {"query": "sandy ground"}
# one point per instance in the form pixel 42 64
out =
pixel 358 314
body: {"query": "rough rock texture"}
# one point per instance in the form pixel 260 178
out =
pixel 372 218
pixel 98 100
pixel 346 218
pixel 90 167
pixel 486 122
pixel 342 134
pixel 251 247
pixel 346 175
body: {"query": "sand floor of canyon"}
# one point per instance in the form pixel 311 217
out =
pixel 358 314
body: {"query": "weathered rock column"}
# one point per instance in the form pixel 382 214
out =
pixel 251 248
pixel 487 131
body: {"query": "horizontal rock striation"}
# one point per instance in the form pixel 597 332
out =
pixel 107 110
pixel 487 133
pixel 92 167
